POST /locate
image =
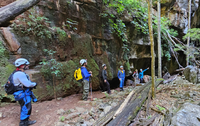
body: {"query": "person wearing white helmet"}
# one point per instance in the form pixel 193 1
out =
pixel 121 76
pixel 23 94
pixel 105 81
pixel 141 75
pixel 86 76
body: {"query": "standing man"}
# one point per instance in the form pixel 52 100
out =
pixel 86 75
pixel 104 76
pixel 121 76
pixel 141 75
pixel 23 93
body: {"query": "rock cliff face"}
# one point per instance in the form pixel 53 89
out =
pixel 86 38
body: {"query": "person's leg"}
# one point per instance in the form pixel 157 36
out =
pixel 25 110
pixel 123 83
pixel 108 87
pixel 85 89
pixel 120 84
pixel 103 86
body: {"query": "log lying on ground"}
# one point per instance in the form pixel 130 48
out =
pixel 9 12
pixel 131 110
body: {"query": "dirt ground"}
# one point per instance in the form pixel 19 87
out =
pixel 44 112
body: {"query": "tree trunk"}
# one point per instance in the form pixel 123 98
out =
pixel 188 39
pixel 159 43
pixel 152 46
pixel 131 109
pixel 9 12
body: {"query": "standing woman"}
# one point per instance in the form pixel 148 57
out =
pixel 141 75
pixel 121 76
pixel 104 76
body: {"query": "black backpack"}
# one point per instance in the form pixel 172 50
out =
pixel 9 86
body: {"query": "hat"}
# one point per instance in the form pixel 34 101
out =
pixel 103 65
pixel 121 67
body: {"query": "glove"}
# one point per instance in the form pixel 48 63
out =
pixel 35 100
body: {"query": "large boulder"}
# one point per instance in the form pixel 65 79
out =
pixel 190 74
pixel 188 115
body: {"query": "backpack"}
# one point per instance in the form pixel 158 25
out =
pixel 9 86
pixel 77 75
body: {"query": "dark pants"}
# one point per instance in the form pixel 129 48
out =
pixel 106 85
pixel 141 80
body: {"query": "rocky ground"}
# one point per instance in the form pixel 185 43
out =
pixel 66 111
pixel 176 104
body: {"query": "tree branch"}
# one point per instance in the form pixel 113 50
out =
pixel 9 12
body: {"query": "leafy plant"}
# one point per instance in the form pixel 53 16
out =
pixel 33 25
pixel 62 118
pixel 51 68
pixel 160 108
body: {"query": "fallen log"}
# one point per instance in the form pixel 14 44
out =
pixel 10 11
pixel 131 110
pixel 123 105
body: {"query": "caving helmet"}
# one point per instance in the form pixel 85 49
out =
pixel 82 61
pixel 103 65
pixel 121 67
pixel 21 61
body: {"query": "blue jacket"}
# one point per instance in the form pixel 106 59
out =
pixel 86 75
pixel 141 74
pixel 120 74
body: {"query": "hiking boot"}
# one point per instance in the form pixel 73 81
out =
pixel 31 122
pixel 23 123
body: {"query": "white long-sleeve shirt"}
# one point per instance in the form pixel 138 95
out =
pixel 20 78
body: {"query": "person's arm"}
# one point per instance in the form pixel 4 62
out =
pixel 103 74
pixel 86 73
pixel 124 74
pixel 24 80
pixel 144 70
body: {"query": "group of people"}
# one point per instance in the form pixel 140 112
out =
pixel 139 76
pixel 121 76
pixel 24 86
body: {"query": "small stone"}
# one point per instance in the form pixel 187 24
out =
pixel 107 109
pixel 72 110
pixel 59 124
pixel 60 112
pixel 92 120
pixel 114 104
pixel 1 115
pixel 72 115
pixel 36 111
pixel 101 115
pixel 59 99
pixel 173 93
pixel 79 109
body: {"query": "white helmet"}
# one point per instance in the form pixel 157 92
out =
pixel 21 61
pixel 103 65
pixel 83 61
pixel 121 67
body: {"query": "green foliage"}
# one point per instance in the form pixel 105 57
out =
pixel 114 10
pixel 50 66
pixel 193 33
pixel 33 25
pixel 160 108
pixel 62 118
pixel 71 24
